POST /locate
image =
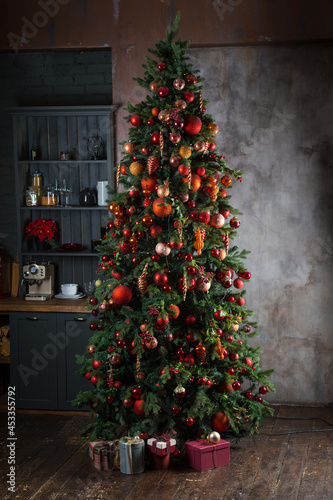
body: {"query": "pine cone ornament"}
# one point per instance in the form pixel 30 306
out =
pixel 142 283
pixel 152 164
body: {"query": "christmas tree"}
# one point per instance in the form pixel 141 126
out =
pixel 170 343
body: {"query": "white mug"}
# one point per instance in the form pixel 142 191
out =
pixel 102 193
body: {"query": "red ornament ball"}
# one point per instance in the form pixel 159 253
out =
pixel 117 274
pixel 219 315
pixel 128 403
pixel 227 282
pixel 155 137
pixel 263 390
pixel 192 125
pixel 136 392
pixel 138 408
pixel 234 222
pixel 93 301
pixel 163 92
pixel 94 380
pixel 189 421
pixel 122 295
pixel 160 278
pixel 249 395
pixel 175 410
pixel 190 320
pixel 161 66
pixel 188 96
pixel 96 364
pixel 154 231
pixel 136 120
pixel 240 301
pixel 220 422
pixel 238 283
pixel 236 385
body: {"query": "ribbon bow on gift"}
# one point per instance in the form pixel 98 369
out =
pixel 165 437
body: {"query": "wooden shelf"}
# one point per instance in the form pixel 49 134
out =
pixel 62 254
pixel 63 162
pixel 62 207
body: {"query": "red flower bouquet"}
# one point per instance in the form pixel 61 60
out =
pixel 43 229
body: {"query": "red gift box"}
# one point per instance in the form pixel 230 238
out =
pixel 202 455
pixel 162 445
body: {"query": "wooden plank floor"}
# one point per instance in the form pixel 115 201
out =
pixel 280 464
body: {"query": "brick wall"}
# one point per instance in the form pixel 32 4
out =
pixel 43 79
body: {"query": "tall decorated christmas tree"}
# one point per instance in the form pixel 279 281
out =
pixel 170 327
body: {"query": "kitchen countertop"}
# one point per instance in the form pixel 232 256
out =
pixel 15 304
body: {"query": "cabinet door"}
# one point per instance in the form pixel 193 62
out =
pixel 35 348
pixel 77 334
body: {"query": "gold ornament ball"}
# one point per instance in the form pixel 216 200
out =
pixel 118 212
pixel 180 103
pixel 179 84
pixel 119 222
pixel 191 79
pixel 112 304
pixel 214 437
pixel 164 116
pixel 112 206
pixel 199 146
pixel 136 168
pixel 215 130
pixel 98 283
pixel 133 240
pixel 153 86
pixel 129 147
pixel 184 151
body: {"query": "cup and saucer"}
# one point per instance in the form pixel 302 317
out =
pixel 70 291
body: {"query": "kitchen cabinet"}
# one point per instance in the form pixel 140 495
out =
pixel 43 358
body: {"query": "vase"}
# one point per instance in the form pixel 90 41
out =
pixel 35 245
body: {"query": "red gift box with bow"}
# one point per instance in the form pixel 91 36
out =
pixel 202 455
pixel 162 444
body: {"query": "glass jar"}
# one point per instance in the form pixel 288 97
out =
pixel 37 183
pixel 31 197
pixel 49 197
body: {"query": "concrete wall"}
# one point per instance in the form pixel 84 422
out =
pixel 41 79
pixel 274 107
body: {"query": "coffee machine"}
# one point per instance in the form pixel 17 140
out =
pixel 40 280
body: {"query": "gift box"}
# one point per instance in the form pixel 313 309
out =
pixel 202 455
pixel 105 454
pixel 162 445
pixel 160 448
pixel 132 455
